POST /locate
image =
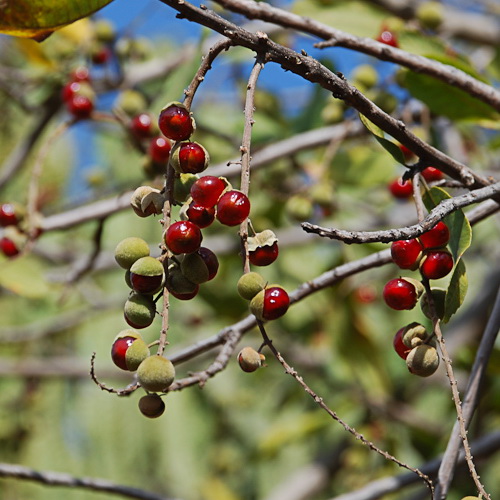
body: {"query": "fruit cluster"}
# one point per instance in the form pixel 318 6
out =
pixel 78 94
pixel 428 254
pixel 402 190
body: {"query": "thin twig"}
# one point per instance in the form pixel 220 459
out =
pixel 245 153
pixel 291 371
pixel 120 392
pixel 444 208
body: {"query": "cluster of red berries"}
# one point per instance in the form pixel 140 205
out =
pixel 403 190
pixel 78 94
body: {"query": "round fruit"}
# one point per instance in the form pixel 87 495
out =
pixel 366 75
pixel 185 296
pixel 249 359
pixel 193 267
pixel 141 125
pixel 210 260
pixel 423 360
pixel 436 237
pixel 388 38
pixel 80 106
pixel 250 284
pixel 177 283
pixel 190 158
pixel 8 247
pixel 200 215
pixel 100 54
pixel 263 256
pixel 299 208
pixel 400 294
pixel 146 275
pixel 271 303
pixel 130 250
pixel 151 406
pixel 430 14
pixel 406 253
pixel 233 208
pixel 399 347
pixel 129 350
pixel 156 373
pixel 207 190
pixel 175 122
pixel 80 74
pixel 431 174
pixel 414 335
pixel 9 215
pixel 439 297
pixel 139 310
pixel 136 202
pixel 69 90
pixel 159 150
pixel 436 264
pixel 400 189
pixel 182 186
pixel 183 237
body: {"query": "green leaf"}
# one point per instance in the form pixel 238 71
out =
pixel 444 99
pixel 458 224
pixel 457 289
pixel 39 18
pixel 391 147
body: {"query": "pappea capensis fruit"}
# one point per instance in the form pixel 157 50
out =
pixel 250 360
pixel 151 406
pixel 129 350
pixel 156 373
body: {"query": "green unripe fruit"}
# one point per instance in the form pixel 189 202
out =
pixel 193 267
pixel 430 14
pixel 129 250
pixel 423 360
pixel 250 284
pixel 333 112
pixel 139 310
pixel 146 275
pixel 104 31
pixel 131 102
pixel 151 406
pixel 156 374
pixel 366 75
pixel 250 360
pixel 385 101
pixel 299 208
pixel 182 186
pixel 178 283
pixel 439 296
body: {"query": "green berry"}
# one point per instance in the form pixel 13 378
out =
pixel 139 310
pixel 193 267
pixel 130 250
pixel 366 75
pixel 423 360
pixel 131 102
pixel 178 283
pixel 430 14
pixel 182 186
pixel 250 284
pixel 156 374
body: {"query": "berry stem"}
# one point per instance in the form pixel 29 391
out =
pixel 436 323
pixel 319 400
pixel 245 153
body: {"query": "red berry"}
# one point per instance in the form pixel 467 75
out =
pixel 80 74
pixel 185 296
pixel 159 150
pixel 210 260
pixel 400 294
pixel 399 347
pixel 145 284
pixel 8 216
pixel 8 247
pixel 432 174
pixel 193 158
pixel 141 125
pixel 388 38
pixel 175 122
pixel 206 190
pixel 183 237
pixel 200 215
pixel 436 237
pixel 406 253
pixel 80 106
pixel 233 208
pixel 401 189
pixel 407 153
pixel 265 255
pixel 69 90
pixel 101 56
pixel 276 303
pixel 436 264
pixel 119 351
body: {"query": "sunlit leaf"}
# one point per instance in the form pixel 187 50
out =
pixel 457 289
pixel 458 224
pixel 39 18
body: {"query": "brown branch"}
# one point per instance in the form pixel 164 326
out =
pixel 337 38
pixel 67 480
pixel 435 215
pixel 311 70
pixel 319 400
